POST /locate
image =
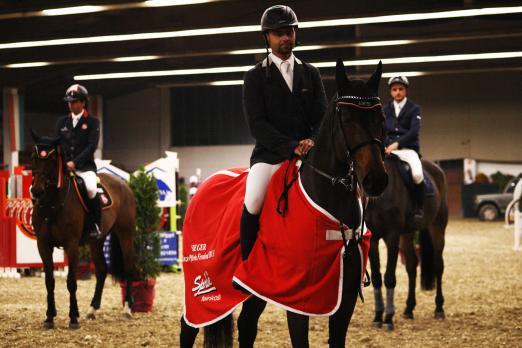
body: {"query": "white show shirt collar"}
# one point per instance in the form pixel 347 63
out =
pixel 277 61
pixel 76 118
pixel 398 106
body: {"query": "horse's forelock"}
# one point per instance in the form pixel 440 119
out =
pixel 359 88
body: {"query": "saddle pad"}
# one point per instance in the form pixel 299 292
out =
pixel 103 194
pixel 405 173
pixel 295 262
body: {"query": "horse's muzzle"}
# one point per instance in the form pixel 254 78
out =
pixel 375 184
pixel 36 192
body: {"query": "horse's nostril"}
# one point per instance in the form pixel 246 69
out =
pixel 374 185
pixel 36 193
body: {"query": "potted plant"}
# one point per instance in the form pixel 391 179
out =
pixel 85 266
pixel 146 240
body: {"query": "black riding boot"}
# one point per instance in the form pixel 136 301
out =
pixel 249 227
pixel 418 212
pixel 95 211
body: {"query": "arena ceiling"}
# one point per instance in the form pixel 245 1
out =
pixel 168 41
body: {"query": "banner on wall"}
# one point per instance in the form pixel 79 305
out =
pixel 164 170
pixel 105 166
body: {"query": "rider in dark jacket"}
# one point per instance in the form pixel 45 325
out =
pixel 79 133
pixel 403 122
pixel 284 102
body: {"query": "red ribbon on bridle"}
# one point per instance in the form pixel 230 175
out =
pixel 60 168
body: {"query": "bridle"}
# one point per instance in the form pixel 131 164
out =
pixel 363 103
pixel 51 182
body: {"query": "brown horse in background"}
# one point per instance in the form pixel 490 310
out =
pixel 390 217
pixel 59 220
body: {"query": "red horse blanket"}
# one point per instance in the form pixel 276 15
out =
pixel 296 262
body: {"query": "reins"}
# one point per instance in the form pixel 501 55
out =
pixel 348 182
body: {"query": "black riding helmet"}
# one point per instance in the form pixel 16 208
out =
pixel 76 92
pixel 276 17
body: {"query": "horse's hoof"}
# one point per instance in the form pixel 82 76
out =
pixel 90 316
pixel 377 324
pixel 74 326
pixel 440 315
pixel 127 315
pixel 408 315
pixel 48 325
pixel 388 326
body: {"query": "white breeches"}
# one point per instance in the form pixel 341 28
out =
pixel 90 182
pixel 257 184
pixel 412 158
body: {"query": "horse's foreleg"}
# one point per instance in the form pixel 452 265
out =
pixel 390 280
pixel 72 257
pixel 187 335
pixel 46 253
pixel 298 328
pixel 375 265
pixel 101 273
pixel 247 321
pixel 408 247
pixel 338 323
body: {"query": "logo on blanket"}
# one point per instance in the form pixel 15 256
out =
pixel 203 285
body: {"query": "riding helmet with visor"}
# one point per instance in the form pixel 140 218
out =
pixel 399 79
pixel 76 92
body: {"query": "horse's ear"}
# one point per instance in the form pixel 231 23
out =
pixel 373 82
pixel 343 82
pixel 36 137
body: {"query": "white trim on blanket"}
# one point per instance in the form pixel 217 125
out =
pixel 197 326
pixel 228 173
pixel 324 211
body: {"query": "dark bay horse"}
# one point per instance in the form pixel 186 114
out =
pixel 389 217
pixel 347 155
pixel 59 220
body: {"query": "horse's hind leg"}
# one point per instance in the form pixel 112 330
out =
pixel 187 335
pixel 438 265
pixel 247 321
pixel 408 247
pixel 298 328
pixel 124 235
pixel 46 253
pixel 376 281
pixel 72 257
pixel 100 267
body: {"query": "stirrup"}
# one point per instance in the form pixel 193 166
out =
pixel 418 218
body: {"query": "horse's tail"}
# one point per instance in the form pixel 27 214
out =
pixel 117 265
pixel 427 260
pixel 219 334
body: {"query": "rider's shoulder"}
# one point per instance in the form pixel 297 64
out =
pixel 62 119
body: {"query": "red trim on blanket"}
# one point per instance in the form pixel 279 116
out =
pixel 359 106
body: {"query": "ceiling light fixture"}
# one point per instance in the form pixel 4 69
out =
pixel 362 62
pixel 253 28
pixel 27 65
pixel 72 10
